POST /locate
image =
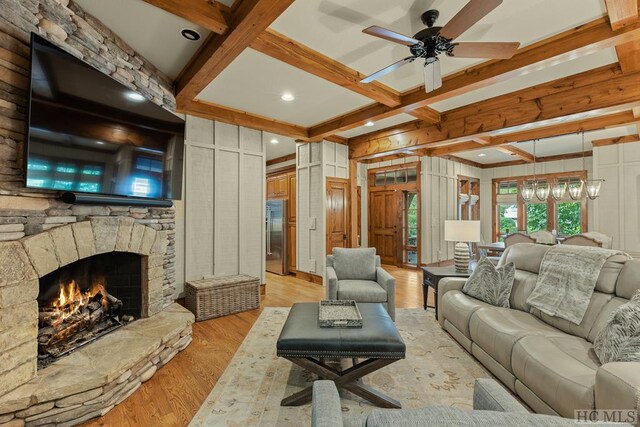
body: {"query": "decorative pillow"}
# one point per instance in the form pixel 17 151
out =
pixel 355 263
pixel 490 284
pixel 619 340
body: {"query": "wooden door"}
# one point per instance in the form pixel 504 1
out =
pixel 292 196
pixel 384 220
pixel 271 188
pixel 337 213
pixel 281 186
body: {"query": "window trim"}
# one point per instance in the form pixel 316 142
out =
pixel 551 203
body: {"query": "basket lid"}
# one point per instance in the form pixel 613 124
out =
pixel 222 281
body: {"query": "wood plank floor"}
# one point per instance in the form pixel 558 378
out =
pixel 176 391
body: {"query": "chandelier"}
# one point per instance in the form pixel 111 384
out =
pixel 577 189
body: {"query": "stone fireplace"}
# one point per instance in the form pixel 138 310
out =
pixel 99 280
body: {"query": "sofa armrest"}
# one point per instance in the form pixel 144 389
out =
pixel 488 395
pixel 618 386
pixel 332 283
pixel 326 410
pixel 388 283
pixel 445 285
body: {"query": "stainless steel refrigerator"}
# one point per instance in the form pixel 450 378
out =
pixel 276 238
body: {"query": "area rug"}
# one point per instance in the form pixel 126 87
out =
pixel 437 371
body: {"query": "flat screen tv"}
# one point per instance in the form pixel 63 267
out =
pixel 87 133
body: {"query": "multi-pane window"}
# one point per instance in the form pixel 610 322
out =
pixel 393 177
pixel 512 214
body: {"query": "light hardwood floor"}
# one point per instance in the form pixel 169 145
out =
pixel 176 391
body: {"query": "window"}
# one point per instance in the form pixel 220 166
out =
pixel 512 214
pixel 537 217
pixel 411 228
pixel 569 218
pixel 393 177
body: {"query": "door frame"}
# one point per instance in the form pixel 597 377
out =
pixel 328 209
pixel 415 187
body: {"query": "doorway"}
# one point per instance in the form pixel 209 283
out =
pixel 338 226
pixel 394 214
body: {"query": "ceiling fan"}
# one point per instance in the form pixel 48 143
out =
pixel 432 41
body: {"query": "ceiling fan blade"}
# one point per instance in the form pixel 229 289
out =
pixel 391 36
pixel 387 70
pixel 495 50
pixel 474 11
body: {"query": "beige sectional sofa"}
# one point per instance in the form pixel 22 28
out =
pixel 547 361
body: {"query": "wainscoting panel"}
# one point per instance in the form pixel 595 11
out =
pixel 227 212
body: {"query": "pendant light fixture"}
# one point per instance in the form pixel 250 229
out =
pixel 542 186
pixel 589 187
pixel 528 188
pixel 558 190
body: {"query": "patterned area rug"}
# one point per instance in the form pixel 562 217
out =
pixel 437 371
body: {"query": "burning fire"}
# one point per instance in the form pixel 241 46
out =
pixel 71 299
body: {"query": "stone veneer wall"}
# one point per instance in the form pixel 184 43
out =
pixel 27 212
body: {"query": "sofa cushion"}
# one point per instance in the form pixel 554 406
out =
pixel 526 256
pixel 490 284
pixel 610 272
pixel 604 315
pixel 457 308
pixel 355 264
pixel 361 291
pixel 560 370
pixel 628 282
pixel 598 301
pixel 523 284
pixel 496 331
pixel 619 340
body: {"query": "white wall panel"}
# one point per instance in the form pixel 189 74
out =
pixel 224 200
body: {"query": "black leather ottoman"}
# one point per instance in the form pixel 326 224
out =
pixel 305 343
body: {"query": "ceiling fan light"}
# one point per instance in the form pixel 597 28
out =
pixel 593 188
pixel 558 190
pixel 432 75
pixel 575 189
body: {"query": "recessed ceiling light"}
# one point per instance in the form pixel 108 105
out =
pixel 135 96
pixel 274 141
pixel 287 96
pixel 99 142
pixel 482 155
pixel 189 34
pixel 369 123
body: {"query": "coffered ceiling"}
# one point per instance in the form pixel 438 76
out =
pixel 328 34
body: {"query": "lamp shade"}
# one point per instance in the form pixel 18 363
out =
pixel 462 231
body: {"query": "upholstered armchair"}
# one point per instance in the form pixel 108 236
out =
pixel 355 274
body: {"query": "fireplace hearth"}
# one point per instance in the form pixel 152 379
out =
pixel 86 300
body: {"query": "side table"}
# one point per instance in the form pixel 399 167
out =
pixel 431 277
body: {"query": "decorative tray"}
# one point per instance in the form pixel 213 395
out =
pixel 339 314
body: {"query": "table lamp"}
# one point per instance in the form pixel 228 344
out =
pixel 462 232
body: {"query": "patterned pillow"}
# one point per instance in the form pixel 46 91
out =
pixel 490 284
pixel 619 340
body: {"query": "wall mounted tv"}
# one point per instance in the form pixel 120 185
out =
pixel 90 134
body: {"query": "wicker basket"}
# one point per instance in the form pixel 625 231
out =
pixel 219 296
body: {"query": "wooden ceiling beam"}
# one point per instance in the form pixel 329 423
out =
pixel 622 12
pixel 600 91
pixel 580 41
pixel 248 19
pixel 282 159
pixel 518 152
pixel 206 14
pixel 584 125
pixel 629 56
pixel 545 159
pixel 289 51
pixel 211 111
pixel 617 140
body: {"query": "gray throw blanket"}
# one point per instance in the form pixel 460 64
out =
pixel 567 279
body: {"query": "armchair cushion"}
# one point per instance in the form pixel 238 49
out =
pixel 355 264
pixel 361 291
